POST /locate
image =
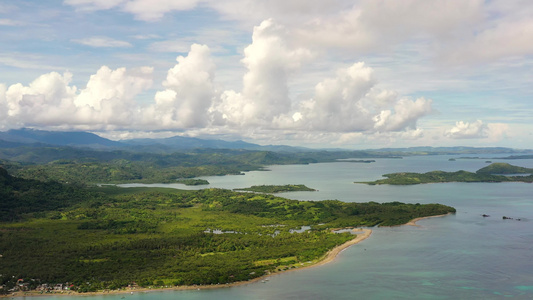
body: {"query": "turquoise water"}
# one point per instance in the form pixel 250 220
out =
pixel 461 256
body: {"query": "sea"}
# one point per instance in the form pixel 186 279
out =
pixel 459 256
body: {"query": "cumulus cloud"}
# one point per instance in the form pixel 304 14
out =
pixel 3 104
pixel 466 130
pixel 189 92
pixel 477 130
pixel 102 42
pixel 346 104
pixel 352 102
pixel 270 60
pixel 50 100
pixel 114 85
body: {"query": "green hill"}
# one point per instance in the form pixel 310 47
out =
pixel 491 173
pixel 503 168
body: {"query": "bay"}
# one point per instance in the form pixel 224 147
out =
pixel 461 256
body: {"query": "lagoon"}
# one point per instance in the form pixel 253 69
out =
pixel 461 256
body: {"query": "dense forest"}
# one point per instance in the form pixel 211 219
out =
pixel 107 237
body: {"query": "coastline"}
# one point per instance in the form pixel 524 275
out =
pixel 328 257
pixel 413 221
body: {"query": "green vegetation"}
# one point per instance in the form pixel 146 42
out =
pixel 108 237
pixel 504 168
pixel 85 166
pixel 486 174
pixel 193 181
pixel 271 189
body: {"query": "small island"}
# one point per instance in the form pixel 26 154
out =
pixel 272 189
pixel 492 173
pixel 189 181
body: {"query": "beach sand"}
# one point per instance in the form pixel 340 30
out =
pixel 413 221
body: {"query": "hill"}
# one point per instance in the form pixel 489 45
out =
pixel 62 138
pixel 504 168
pixel 490 173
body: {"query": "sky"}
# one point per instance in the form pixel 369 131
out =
pixel 331 74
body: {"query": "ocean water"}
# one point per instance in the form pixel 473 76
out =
pixel 461 256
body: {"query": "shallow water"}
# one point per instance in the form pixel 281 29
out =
pixel 461 256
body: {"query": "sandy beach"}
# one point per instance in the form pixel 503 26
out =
pixel 413 221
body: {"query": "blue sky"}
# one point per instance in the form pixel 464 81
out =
pixel 353 74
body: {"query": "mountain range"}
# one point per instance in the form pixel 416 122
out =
pixel 33 137
pixel 38 138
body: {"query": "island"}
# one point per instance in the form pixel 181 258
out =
pixel 75 238
pixel 272 189
pixel 190 181
pixel 494 172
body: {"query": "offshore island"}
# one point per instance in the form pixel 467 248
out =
pixel 77 239
pixel 495 172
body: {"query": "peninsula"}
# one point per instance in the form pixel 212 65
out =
pixel 272 189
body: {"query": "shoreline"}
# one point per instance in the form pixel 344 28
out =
pixel 330 256
pixel 413 221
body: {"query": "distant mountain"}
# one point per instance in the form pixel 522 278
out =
pixel 38 138
pixel 453 150
pixel 182 142
pixel 80 139
pixel 60 138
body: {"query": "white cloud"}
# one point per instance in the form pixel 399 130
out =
pixel 145 10
pixel 189 92
pixel 25 61
pixel 477 130
pixel 505 39
pixel 94 4
pixel 146 36
pixel 3 104
pixel 339 103
pixel 270 60
pixel 174 46
pixel 352 102
pixel 9 22
pixel 102 42
pixel 114 85
pixel 153 10
pixel 251 12
pixel 50 100
pixel 406 113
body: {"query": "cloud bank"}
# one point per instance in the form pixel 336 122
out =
pixel 349 102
